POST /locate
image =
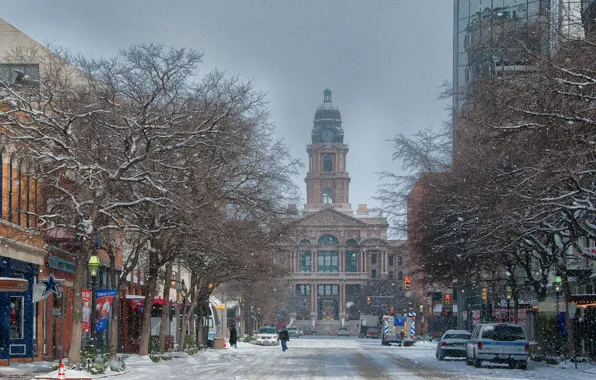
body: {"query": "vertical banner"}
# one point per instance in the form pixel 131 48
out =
pixel 86 310
pixel 103 306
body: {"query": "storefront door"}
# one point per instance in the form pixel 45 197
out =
pixel 16 310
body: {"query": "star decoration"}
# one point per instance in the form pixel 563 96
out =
pixel 51 285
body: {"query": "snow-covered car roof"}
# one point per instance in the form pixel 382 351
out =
pixel 458 332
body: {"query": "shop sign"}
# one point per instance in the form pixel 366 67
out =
pixel 590 253
pixel 8 284
pixel 57 312
pixel 61 264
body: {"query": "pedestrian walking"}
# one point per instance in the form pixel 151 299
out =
pixel 284 337
pixel 233 336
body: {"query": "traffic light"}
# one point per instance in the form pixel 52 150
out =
pixel 367 299
pixel 447 299
pixel 392 310
pixel 407 284
pixel 484 294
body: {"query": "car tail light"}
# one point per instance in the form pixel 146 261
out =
pixel 527 346
pixel 480 345
pixel 443 344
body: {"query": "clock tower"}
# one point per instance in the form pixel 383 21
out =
pixel 327 180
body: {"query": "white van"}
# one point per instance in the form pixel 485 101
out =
pixel 498 343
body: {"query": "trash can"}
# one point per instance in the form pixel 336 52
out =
pixel 218 343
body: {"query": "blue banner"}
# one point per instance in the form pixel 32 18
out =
pixel 103 306
pixel 561 323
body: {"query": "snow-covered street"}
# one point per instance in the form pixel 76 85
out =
pixel 335 358
pixel 329 358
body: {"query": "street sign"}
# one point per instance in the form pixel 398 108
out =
pixel 57 312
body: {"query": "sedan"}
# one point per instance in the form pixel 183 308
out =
pixel 453 343
pixel 343 331
pixel 267 336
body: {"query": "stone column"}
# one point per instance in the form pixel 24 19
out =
pixel 313 261
pixel 340 290
pixel 364 266
pixel 313 302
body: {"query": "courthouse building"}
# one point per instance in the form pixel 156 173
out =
pixel 334 251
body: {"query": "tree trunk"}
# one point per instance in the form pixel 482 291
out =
pixel 188 312
pixel 165 313
pixel 148 307
pixel 76 334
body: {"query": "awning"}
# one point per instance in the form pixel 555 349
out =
pixel 138 302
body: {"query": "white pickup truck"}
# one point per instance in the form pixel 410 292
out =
pixel 498 343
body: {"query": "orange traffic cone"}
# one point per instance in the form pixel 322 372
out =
pixel 61 375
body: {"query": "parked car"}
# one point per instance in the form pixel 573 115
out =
pixel 309 331
pixel 293 332
pixel 267 336
pixel 343 331
pixel 498 343
pixel 453 343
pixel 300 332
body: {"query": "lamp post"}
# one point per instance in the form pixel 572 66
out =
pixel 508 297
pixel 557 284
pixel 92 267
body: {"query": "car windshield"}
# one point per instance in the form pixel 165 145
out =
pixel 504 333
pixel 457 336
pixel 267 330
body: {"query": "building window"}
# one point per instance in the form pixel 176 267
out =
pixel 373 258
pixel 17 318
pixel 352 243
pixel 373 273
pixel 10 189
pixel 327 196
pixel 303 290
pixel 9 72
pixel 391 275
pixel 327 261
pixel 327 163
pixel 328 290
pixel 400 275
pixel 390 260
pixel 1 184
pixel 351 261
pixel 328 240
pixel 400 260
pixel 305 261
pixel 282 259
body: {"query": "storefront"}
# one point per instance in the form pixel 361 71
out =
pixel 18 314
pixel 56 322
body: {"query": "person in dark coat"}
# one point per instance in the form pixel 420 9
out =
pixel 284 337
pixel 233 336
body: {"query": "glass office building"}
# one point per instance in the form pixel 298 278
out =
pixel 487 35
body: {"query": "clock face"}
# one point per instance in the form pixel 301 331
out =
pixel 328 135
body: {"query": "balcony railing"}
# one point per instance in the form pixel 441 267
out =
pixel 330 275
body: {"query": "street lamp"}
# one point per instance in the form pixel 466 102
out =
pixel 92 267
pixel 508 297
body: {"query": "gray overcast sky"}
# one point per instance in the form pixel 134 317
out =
pixel 383 60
